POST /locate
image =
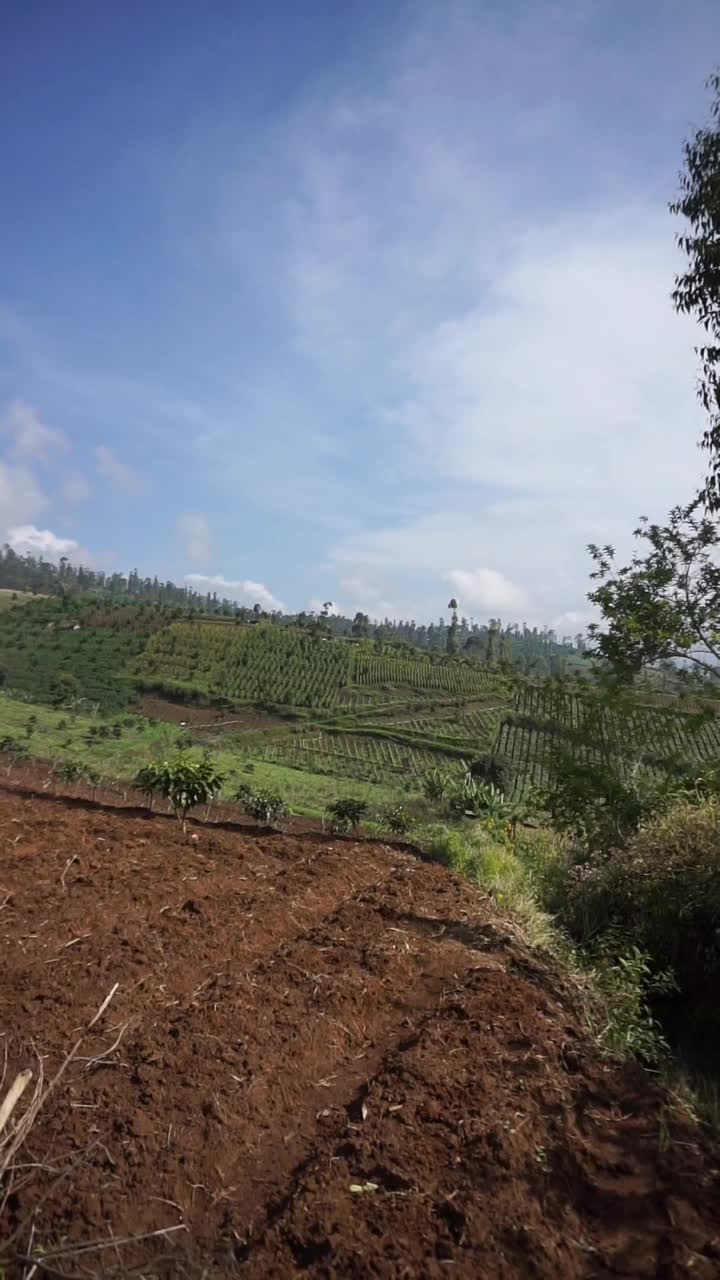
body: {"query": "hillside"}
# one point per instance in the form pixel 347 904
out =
pixel 353 710
pixel 321 1057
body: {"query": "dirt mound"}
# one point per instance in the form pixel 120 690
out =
pixel 324 1058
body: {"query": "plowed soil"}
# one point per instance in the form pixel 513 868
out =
pixel 323 1058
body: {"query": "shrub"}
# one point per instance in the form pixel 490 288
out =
pixel 623 981
pixel 664 890
pixel 346 815
pixel 265 806
pixel 70 772
pixel 184 783
pixel 435 785
pixel 495 770
pixel 473 799
pixel 397 819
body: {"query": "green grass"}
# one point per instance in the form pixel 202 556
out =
pixel 113 757
pixel 9 599
pixel 306 794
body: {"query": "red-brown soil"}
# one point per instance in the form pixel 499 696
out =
pixel 296 1017
pixel 156 708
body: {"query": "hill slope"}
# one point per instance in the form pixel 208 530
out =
pixel 323 1058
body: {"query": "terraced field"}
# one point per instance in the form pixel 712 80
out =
pixel 649 738
pixel 320 1057
pixel 354 756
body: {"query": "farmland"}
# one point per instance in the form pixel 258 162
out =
pixel 336 710
pixel 652 738
pixel 316 1051
pixel 285 665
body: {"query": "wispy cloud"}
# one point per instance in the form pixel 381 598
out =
pixel 110 467
pixel 28 437
pixel 21 498
pixel 75 487
pixel 195 537
pixel 243 590
pixel 488 590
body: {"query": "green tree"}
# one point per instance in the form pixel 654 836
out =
pixel 664 605
pixel 361 626
pixel 697 290
pixel 184 783
pixel 451 642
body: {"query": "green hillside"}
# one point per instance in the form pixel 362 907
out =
pixel 648 738
pixel 265 663
pixel 54 650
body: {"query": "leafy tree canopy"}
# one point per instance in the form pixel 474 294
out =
pixel 664 605
pixel 697 290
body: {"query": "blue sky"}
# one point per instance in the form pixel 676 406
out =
pixel 362 302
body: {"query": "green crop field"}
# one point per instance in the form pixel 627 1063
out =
pixel 350 755
pixel 421 673
pixel 52 650
pixel 650 738
pixel 9 599
pixel 116 747
pixel 245 664
pixel 264 663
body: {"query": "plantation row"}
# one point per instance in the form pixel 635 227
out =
pixel 649 739
pixel 420 673
pixel 53 651
pixel 348 755
pixel 284 665
pixel 246 663
pixel 473 724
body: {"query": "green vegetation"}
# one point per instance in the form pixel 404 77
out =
pixel 555 729
pixel 245 664
pixel 183 782
pixel 697 290
pixel 9 599
pixel 58 651
pixel 116 748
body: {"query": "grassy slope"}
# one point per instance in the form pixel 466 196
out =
pixel 143 740
pixel 9 599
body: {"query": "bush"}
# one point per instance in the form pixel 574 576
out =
pixel 623 981
pixel 184 783
pixel 397 819
pixel 265 806
pixel 435 786
pixel 495 770
pixel 346 815
pixel 664 890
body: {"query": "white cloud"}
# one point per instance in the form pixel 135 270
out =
pixel 75 487
pixel 20 497
pixel 196 537
pixel 29 437
pixel 243 590
pixel 26 539
pixel 317 606
pixel 118 473
pixel 486 589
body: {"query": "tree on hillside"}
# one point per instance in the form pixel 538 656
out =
pixel 697 291
pixel 665 605
pixel 361 626
pixel 452 643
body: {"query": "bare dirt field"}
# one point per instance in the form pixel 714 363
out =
pixel 323 1058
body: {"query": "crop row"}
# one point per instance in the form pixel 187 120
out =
pixel 248 664
pixel 645 738
pixel 421 673
pixel 373 759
